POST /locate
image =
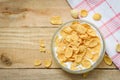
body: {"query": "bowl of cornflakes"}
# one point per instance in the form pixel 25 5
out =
pixel 78 46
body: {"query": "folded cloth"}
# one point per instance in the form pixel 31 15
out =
pixel 109 25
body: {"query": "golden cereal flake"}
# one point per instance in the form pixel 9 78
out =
pixel 75 49
pixel 96 48
pixel 78 58
pixel 63 33
pixel 81 29
pixel 86 63
pixel 68 38
pixel 93 43
pixel 71 59
pixel 37 62
pixel 42 49
pixel 86 25
pixel 83 36
pixel 56 20
pixel 47 63
pixel 83 13
pixel 57 40
pixel 74 13
pixel 61 45
pixel 97 16
pixel 86 42
pixel 74 37
pixel 107 60
pixel 91 32
pixel 60 49
pixel 42 43
pixel 81 54
pixel 67 29
pixel 95 57
pixel 82 48
pixel 61 57
pixel 68 52
pixel 75 43
pixel 89 54
pixel 73 66
pixel 118 47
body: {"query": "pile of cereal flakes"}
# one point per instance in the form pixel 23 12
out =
pixel 77 45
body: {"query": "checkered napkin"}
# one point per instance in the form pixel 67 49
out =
pixel 109 25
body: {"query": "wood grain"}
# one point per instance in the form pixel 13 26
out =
pixel 22 24
pixel 22 45
pixel 56 74
pixel 32 13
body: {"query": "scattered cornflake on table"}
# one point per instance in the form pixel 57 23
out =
pixel 107 60
pixel 42 43
pixel 56 20
pixel 86 63
pixel 48 63
pixel 37 62
pixel 42 46
pixel 118 47
pixel 83 13
pixel 74 13
pixel 97 16
pixel 84 75
pixel 42 49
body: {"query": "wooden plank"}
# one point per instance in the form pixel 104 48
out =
pixel 55 74
pixel 22 46
pixel 32 13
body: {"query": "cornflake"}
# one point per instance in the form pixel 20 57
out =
pixel 37 62
pixel 67 29
pixel 61 57
pixel 118 48
pixel 56 20
pixel 42 49
pixel 68 52
pixel 91 32
pixel 89 54
pixel 95 57
pixel 86 63
pixel 42 43
pixel 107 60
pixel 93 43
pixel 97 16
pixel 47 63
pixel 74 13
pixel 78 58
pixel 83 13
pixel 74 66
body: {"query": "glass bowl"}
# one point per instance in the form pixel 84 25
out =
pixel 102 51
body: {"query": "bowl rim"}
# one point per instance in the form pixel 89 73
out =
pixel 84 70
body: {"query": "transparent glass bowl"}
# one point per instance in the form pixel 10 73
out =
pixel 102 52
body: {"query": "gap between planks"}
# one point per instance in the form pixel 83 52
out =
pixel 56 74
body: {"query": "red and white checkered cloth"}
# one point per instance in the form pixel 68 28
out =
pixel 109 25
